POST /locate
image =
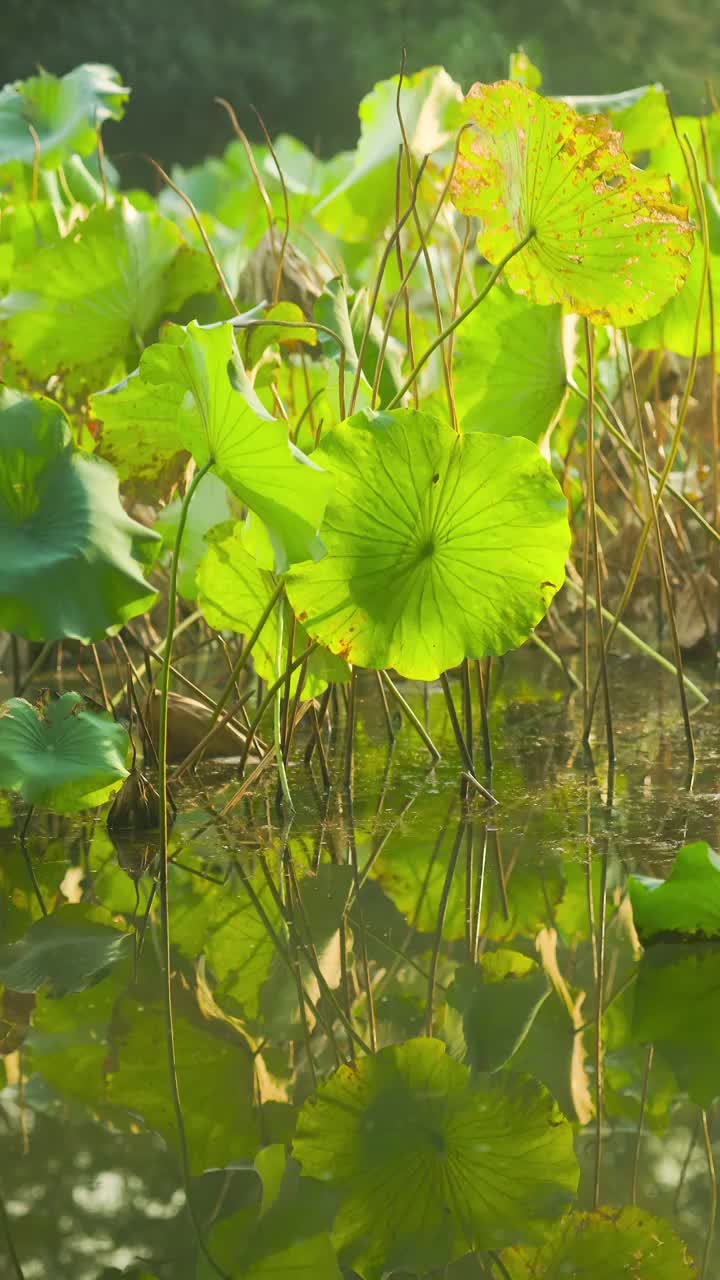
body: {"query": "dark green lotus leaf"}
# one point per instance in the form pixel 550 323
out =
pixel 82 308
pixel 677 1008
pixel 608 242
pixel 191 393
pixel 498 999
pixel 285 1235
pixel 688 902
pixel 60 756
pixel 66 543
pixel 66 951
pixel 439 547
pixel 604 1245
pixel 233 592
pixel 431 1162
pixel 215 1077
pixel 64 111
pixel 641 115
pixel 509 372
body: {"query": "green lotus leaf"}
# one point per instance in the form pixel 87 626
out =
pixel 210 506
pixel 666 154
pixel 64 112
pixel 673 328
pixel 60 756
pixel 83 307
pixel 285 1235
pixel 439 547
pixel 191 393
pixel 430 1162
pixel 608 243
pixel 509 372
pixel 360 204
pixel 215 1077
pixel 602 1245
pixel 498 999
pixel 641 115
pixel 677 1009
pixel 65 542
pixel 233 592
pixel 66 951
pixel 688 902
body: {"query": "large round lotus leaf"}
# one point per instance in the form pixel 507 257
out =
pixel 608 1244
pixel 64 112
pixel 688 902
pixel 439 547
pixel 65 541
pixel 233 593
pixel 430 1162
pixel 82 307
pixel 509 372
pixel 608 242
pixel 191 393
pixel 60 756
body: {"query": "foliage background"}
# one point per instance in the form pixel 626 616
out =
pixel 305 64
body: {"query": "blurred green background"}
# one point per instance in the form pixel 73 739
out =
pixel 305 64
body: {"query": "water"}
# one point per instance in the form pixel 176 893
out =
pixel 279 935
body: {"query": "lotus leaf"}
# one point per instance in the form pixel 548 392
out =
pixel 431 1162
pixel 65 542
pixel 82 307
pixel 439 547
pixel 233 592
pixel 191 393
pixel 602 1245
pixel 498 1000
pixel 60 756
pixel 509 367
pixel 64 112
pixel 608 242
pixel 688 902
pixel 66 951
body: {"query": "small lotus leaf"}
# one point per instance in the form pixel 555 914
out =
pixel 688 902
pixel 191 393
pixel 602 1245
pixel 66 951
pixel 65 542
pixel 509 372
pixel 608 242
pixel 439 547
pixel 233 592
pixel 431 1162
pixel 64 112
pixel 498 999
pixel 60 756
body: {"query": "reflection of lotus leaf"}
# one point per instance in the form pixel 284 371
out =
pixel 67 951
pixel 604 1245
pixel 65 541
pixel 431 1162
pixel 688 902
pixel 439 547
pixel 608 243
pixel 60 756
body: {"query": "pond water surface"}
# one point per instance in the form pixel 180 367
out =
pixel 478 941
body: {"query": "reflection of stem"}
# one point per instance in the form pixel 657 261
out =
pixel 498 1262
pixel 641 1118
pixel 458 320
pixel 363 943
pixel 598 1032
pixel 285 680
pixel 5 1225
pixel 30 867
pixel 686 1163
pixel 164 899
pixel 442 909
pixel 713 1196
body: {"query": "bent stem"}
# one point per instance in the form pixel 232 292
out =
pixel 164 832
pixel 460 319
